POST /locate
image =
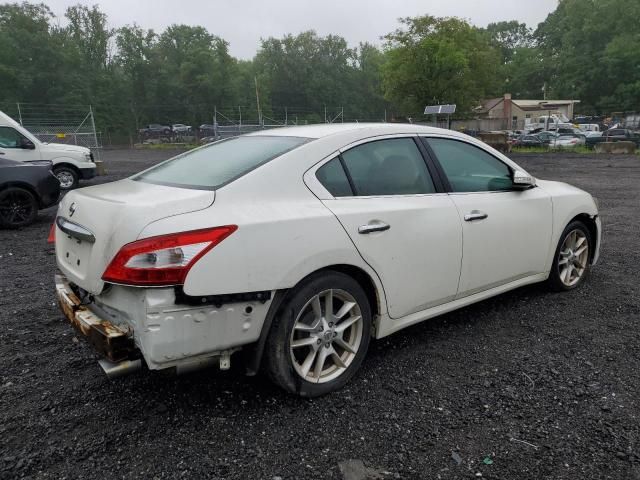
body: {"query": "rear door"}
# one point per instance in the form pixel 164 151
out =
pixel 506 232
pixel 403 226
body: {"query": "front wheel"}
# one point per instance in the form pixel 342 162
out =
pixel 320 336
pixel 67 177
pixel 18 207
pixel 571 262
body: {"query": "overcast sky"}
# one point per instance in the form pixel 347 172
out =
pixel 244 22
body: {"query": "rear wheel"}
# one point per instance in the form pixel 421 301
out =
pixel 67 177
pixel 571 262
pixel 320 336
pixel 18 207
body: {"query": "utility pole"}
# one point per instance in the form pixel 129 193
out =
pixel 239 117
pixel 325 113
pixel 255 79
pixel 215 121
pixel 19 113
pixel 286 116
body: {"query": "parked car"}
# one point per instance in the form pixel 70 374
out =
pixel 70 162
pixel 207 130
pixel 181 129
pixel 614 135
pixel 154 130
pixel 528 141
pixel 566 141
pixel 298 245
pixel 25 188
pixel 589 127
pixel 571 132
pixel 592 133
pixel 547 137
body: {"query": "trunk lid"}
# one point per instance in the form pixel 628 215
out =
pixel 115 213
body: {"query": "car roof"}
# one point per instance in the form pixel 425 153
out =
pixel 327 129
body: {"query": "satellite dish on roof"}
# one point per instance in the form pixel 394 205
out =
pixel 439 109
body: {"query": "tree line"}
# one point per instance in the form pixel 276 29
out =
pixel 586 49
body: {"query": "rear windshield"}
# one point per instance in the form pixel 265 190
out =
pixel 222 162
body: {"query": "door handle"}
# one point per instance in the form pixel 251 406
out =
pixel 373 227
pixel 474 215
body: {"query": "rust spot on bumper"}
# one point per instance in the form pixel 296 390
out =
pixel 108 339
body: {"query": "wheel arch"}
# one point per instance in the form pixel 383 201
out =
pixel 253 353
pixel 24 186
pixel 590 222
pixel 65 163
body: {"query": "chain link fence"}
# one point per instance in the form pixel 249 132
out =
pixel 67 124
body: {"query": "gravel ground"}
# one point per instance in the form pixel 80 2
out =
pixel 528 385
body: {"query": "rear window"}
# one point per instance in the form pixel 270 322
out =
pixel 222 162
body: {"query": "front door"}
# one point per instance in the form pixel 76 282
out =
pixel 11 146
pixel 409 233
pixel 506 232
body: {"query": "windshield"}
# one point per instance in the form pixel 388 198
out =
pixel 215 165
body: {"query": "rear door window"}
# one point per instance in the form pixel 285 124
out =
pixel 215 165
pixel 333 177
pixel 393 166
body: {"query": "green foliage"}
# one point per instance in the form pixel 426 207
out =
pixel 585 49
pixel 433 61
pixel 593 47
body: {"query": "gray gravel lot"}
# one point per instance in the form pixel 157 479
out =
pixel 543 385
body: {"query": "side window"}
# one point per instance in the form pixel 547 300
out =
pixel 469 168
pixel 10 138
pixel 388 167
pixel 332 177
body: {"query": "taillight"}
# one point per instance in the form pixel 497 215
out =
pixel 165 259
pixel 52 233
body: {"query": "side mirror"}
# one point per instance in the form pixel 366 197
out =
pixel 27 144
pixel 523 180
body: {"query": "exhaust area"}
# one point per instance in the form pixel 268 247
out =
pixel 119 369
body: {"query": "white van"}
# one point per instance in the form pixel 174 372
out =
pixel 589 127
pixel 70 162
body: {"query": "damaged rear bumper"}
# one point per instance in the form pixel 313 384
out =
pixel 112 341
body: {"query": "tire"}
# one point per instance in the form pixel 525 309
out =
pixel 316 337
pixel 18 207
pixel 571 254
pixel 67 177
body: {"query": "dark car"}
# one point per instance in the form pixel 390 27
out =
pixel 547 137
pixel 25 188
pixel 155 129
pixel 615 135
pixel 528 141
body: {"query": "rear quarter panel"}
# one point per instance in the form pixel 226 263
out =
pixel 284 232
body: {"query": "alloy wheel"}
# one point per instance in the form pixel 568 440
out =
pixel 16 207
pixel 326 336
pixel 573 257
pixel 65 178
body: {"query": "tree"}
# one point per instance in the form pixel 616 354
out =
pixel 509 37
pixel 31 54
pixel 437 61
pixel 592 51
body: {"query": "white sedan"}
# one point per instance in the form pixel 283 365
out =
pixel 298 245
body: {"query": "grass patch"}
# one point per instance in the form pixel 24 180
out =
pixel 578 149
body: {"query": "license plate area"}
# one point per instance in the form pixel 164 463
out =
pixel 75 254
